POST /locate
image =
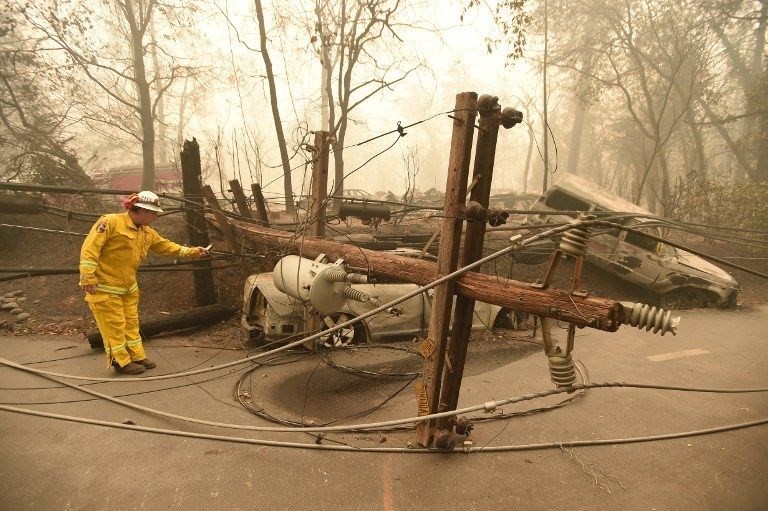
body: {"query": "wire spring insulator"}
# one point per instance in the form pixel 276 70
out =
pixel 355 294
pixel 357 278
pixel 575 240
pixel 646 316
pixel 562 370
pixel 335 275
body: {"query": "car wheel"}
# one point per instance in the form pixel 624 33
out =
pixel 732 302
pixel 680 299
pixel 352 334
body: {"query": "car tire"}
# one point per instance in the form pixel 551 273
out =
pixel 354 334
pixel 685 298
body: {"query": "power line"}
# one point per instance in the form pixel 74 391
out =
pixel 495 404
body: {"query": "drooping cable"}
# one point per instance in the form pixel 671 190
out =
pixel 487 406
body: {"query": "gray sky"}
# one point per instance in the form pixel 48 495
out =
pixel 456 61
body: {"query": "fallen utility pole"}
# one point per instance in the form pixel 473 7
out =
pixel 581 310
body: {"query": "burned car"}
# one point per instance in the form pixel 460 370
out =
pixel 271 315
pixel 680 279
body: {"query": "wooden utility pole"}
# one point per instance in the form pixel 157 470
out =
pixel 261 206
pixel 197 230
pixel 319 190
pixel 317 202
pixel 240 201
pixel 485 153
pixel 434 346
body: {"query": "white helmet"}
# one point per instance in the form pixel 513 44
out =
pixel 149 200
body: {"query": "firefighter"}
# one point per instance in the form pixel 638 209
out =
pixel 109 258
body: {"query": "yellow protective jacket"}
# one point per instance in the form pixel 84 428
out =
pixel 113 250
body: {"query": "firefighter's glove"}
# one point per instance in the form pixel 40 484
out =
pixel 201 252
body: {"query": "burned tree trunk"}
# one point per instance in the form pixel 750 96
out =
pixel 200 316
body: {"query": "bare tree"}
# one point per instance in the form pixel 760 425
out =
pixel 740 29
pixel 412 167
pixel 287 184
pixel 33 133
pixel 356 42
pixel 643 58
pixel 108 41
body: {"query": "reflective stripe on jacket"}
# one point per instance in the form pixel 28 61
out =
pixel 113 250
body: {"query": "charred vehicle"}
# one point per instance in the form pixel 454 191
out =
pixel 680 279
pixel 270 314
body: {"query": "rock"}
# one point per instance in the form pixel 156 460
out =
pixel 18 293
pixel 21 299
pixel 17 311
pixel 36 302
pixel 8 295
pixel 10 306
pixel 23 316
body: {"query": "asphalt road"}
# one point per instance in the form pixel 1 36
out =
pixel 53 464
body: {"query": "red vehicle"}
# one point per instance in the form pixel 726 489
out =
pixel 129 177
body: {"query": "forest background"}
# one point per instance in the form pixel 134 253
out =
pixel 661 101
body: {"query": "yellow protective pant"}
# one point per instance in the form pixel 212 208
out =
pixel 117 317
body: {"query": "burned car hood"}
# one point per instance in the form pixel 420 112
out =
pixel 697 263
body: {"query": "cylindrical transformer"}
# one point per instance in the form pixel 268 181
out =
pixel 364 211
pixel 304 280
